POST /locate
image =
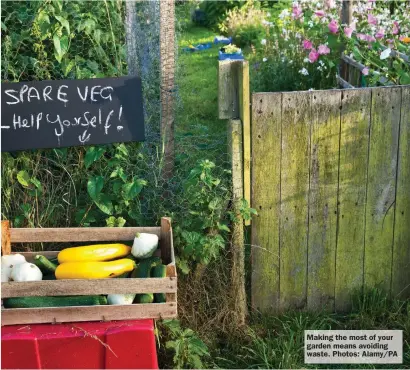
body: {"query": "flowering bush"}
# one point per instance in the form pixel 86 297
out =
pixel 303 46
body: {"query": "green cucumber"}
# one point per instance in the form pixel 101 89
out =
pixel 44 264
pixel 49 277
pixel 31 302
pixel 143 271
pixel 144 298
pixel 159 271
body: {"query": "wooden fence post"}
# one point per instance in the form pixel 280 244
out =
pixel 245 116
pixel 167 62
pixel 234 103
pixel 235 153
pixel 346 18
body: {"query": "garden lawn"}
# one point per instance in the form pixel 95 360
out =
pixel 199 133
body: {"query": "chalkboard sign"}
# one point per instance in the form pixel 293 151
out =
pixel 55 114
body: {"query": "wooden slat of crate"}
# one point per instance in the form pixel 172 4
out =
pixel 78 234
pixel 88 287
pixel 14 316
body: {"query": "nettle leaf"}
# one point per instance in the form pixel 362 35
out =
pixel 23 178
pixel 104 204
pixel 93 154
pixel 94 187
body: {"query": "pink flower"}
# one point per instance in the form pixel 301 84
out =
pixel 297 12
pixel 370 38
pixel 361 36
pixel 323 50
pixel 380 33
pixel 390 41
pixel 348 32
pixel 396 28
pixel 333 26
pixel 307 45
pixel 313 56
pixel 365 71
pixel 320 13
pixel 330 4
pixel 371 19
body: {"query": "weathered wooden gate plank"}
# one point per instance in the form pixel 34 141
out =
pixel 324 165
pixel 266 154
pixel 381 184
pixel 294 199
pixel 401 246
pixel 354 144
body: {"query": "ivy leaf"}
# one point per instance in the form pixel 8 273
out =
pixel 132 189
pixel 94 187
pixel 104 203
pixel 63 22
pixel 57 48
pixel 93 154
pixel 404 78
pixel 23 178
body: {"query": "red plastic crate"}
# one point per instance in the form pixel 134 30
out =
pixel 84 345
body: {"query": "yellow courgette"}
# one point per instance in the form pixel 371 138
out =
pixel 94 270
pixel 95 253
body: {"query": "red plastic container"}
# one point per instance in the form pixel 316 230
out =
pixel 82 345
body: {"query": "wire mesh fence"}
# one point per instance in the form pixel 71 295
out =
pixel 58 39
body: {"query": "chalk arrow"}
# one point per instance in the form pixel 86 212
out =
pixel 84 137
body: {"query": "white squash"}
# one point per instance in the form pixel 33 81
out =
pixel 26 272
pixel 7 263
pixel 144 245
pixel 115 299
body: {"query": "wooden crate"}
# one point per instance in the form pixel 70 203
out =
pixel 168 285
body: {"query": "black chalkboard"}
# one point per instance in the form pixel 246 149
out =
pixel 55 114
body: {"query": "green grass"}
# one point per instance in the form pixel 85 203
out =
pixel 276 342
pixel 198 130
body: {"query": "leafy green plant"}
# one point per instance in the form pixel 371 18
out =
pixel 202 233
pixel 215 11
pixel 189 350
pixel 244 24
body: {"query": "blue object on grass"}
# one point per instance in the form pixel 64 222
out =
pixel 223 40
pixel 233 56
pixel 198 47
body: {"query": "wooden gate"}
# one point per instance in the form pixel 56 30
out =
pixel 331 184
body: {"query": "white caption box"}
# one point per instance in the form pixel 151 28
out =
pixel 353 346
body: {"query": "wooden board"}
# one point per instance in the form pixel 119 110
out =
pixel 78 234
pixel 381 185
pixel 266 156
pixel 228 89
pixel 87 287
pixel 354 144
pixel 235 151
pixel 401 245
pixel 324 164
pixel 296 120
pixel 13 316
pixel 244 114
